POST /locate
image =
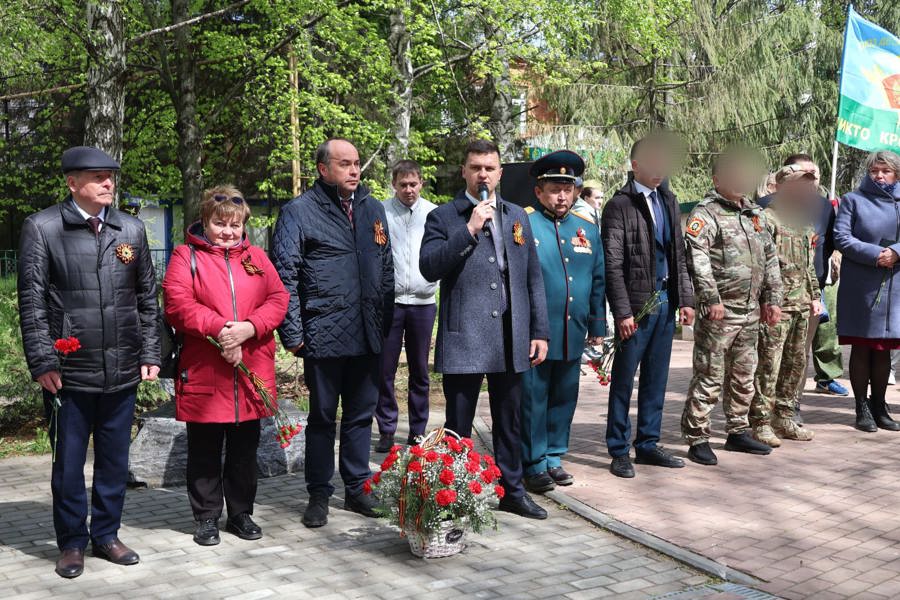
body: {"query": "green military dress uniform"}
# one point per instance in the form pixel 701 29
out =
pixel 571 257
pixel 732 261
pixel 782 347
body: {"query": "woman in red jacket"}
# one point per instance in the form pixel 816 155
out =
pixel 218 285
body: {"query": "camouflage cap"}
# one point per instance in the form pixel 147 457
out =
pixel 793 173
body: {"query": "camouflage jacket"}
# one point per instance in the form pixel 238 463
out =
pixel 796 249
pixel 730 255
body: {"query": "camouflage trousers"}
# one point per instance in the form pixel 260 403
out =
pixel 782 368
pixel 724 364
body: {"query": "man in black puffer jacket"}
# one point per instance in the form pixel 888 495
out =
pixel 641 232
pixel 332 251
pixel 85 272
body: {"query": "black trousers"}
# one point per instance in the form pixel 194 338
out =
pixel 208 482
pixel 352 381
pixel 505 391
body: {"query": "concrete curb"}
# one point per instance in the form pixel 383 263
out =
pixel 682 555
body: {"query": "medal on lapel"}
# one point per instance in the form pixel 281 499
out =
pixel 756 224
pixel 249 266
pixel 380 235
pixel 580 243
pixel 518 233
pixel 125 253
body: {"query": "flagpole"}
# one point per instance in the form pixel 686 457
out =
pixel 834 165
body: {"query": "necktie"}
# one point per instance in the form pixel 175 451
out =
pixel 95 224
pixel 660 218
pixel 347 205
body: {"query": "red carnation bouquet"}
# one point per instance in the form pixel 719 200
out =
pixel 64 346
pixel 602 365
pixel 285 427
pixel 443 480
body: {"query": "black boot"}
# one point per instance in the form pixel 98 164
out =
pixel 882 417
pixel 864 420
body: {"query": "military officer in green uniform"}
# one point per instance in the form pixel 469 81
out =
pixel 571 257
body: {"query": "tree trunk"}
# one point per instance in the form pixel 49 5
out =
pixel 105 77
pixel 401 60
pixel 190 140
pixel 504 114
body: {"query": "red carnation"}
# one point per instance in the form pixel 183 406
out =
pixel 488 476
pixel 447 477
pixel 468 443
pixel 431 456
pixel 475 487
pixel 367 487
pixel 388 462
pixel 472 468
pixel 448 460
pixel 417 451
pixel 414 466
pixel 454 444
pixel 67 345
pixel 474 456
pixel 489 460
pixel 498 489
pixel 445 497
pixel 496 471
pixel 396 448
pixel 376 478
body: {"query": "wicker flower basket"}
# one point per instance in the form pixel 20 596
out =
pixel 447 540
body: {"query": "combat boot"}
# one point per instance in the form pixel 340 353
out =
pixel 788 429
pixel 764 434
pixel 743 442
pixel 864 420
pixel 882 417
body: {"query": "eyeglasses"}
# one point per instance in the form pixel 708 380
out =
pixel 223 198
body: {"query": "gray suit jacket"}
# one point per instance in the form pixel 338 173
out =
pixel 470 327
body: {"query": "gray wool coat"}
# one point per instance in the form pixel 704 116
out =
pixel 470 325
pixel 867 221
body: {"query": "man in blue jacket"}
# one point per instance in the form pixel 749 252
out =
pixel 493 313
pixel 332 251
pixel 571 256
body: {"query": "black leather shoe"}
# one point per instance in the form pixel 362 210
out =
pixel 658 458
pixel 744 442
pixel 70 563
pixel 621 467
pixel 243 527
pixel 412 440
pixel 316 513
pixel 864 419
pixel 702 454
pixel 364 504
pixel 539 483
pixel 524 507
pixel 559 476
pixel 116 552
pixel 385 442
pixel 207 533
pixel 882 417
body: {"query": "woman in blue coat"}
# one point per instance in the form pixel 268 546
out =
pixel 867 233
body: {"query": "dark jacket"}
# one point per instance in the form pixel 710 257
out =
pixel 824 227
pixel 868 298
pixel 101 291
pixel 470 335
pixel 340 278
pixel 630 251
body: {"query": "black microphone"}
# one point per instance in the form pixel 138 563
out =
pixel 482 191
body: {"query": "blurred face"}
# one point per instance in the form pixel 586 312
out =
pixel 882 173
pixel 342 168
pixel 92 190
pixel 556 197
pixel 799 197
pixel 224 231
pixel 651 166
pixel 407 188
pixel 482 168
pixel 734 181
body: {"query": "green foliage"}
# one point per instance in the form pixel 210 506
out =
pixel 21 403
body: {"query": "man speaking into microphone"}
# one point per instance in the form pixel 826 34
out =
pixel 493 312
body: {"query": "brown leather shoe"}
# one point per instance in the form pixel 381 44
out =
pixel 70 563
pixel 116 552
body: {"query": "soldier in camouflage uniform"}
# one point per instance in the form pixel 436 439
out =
pixel 734 268
pixel 782 347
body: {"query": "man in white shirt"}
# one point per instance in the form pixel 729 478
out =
pixel 414 307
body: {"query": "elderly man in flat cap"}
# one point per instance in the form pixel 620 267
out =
pixel 85 273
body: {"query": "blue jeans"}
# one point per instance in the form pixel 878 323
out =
pixel 108 417
pixel 651 348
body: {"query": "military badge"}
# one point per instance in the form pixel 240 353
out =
pixel 518 233
pixel 249 266
pixel 580 243
pixel 756 224
pixel 695 226
pixel 125 253
pixel 380 235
